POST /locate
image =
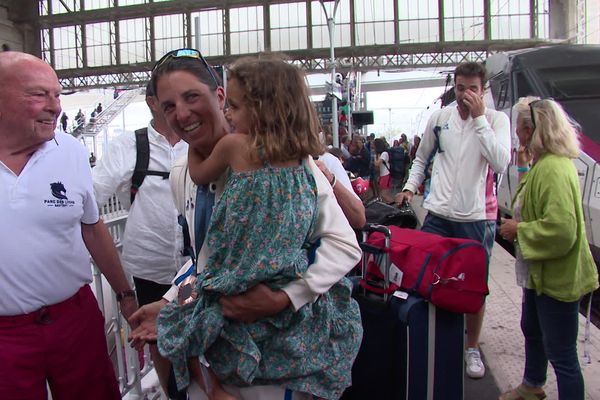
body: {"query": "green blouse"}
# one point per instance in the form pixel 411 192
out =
pixel 552 232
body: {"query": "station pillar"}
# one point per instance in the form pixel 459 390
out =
pixel 563 20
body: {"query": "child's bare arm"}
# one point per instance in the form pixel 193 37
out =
pixel 204 171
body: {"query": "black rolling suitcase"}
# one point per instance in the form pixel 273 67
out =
pixel 411 350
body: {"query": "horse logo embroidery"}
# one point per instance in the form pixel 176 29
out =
pixel 58 190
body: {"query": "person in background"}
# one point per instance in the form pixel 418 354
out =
pixel 80 119
pixel 360 160
pixel 404 143
pixel 397 166
pixel 554 265
pixel 92 160
pixel 99 108
pixel 369 144
pixel 63 121
pixel 359 164
pixel 345 147
pixel 152 241
pixel 473 142
pixel 189 92
pixel 334 171
pixel 337 153
pixel 407 150
pixel 382 163
pixel 414 148
pixel 51 329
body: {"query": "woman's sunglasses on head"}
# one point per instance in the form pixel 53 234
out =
pixel 533 105
pixel 186 53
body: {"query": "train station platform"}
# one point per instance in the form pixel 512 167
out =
pixel 502 343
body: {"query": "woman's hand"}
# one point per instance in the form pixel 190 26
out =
pixel 508 229
pixel 524 156
pixel 256 303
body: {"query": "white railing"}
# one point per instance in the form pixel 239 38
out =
pixel 117 329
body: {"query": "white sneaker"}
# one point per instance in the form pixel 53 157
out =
pixel 475 368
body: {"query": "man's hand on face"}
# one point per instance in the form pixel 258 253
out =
pixel 256 303
pixel 474 103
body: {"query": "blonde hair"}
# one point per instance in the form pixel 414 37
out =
pixel 553 130
pixel 283 122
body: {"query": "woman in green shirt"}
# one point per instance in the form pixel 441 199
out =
pixel 554 264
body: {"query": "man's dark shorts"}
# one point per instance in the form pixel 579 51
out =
pixel 148 291
pixel 483 231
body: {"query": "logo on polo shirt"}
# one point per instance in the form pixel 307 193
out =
pixel 58 190
pixel 60 196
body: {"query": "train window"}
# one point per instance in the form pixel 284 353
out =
pixel 571 82
pixel 523 88
pixel 576 89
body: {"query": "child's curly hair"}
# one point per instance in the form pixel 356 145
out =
pixel 283 121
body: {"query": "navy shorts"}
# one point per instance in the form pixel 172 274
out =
pixel 148 291
pixel 483 231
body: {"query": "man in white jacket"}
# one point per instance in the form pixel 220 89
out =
pixel 470 143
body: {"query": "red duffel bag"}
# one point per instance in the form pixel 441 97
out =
pixel 451 273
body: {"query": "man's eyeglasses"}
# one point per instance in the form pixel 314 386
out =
pixel 186 53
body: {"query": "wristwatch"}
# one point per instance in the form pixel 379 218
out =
pixel 125 293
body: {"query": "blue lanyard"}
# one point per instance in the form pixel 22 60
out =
pixel 191 270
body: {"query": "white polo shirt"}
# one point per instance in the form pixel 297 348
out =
pixel 43 257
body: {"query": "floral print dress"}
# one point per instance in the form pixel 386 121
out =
pixel 258 233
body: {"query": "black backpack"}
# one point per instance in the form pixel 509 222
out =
pixel 142 160
pixel 397 165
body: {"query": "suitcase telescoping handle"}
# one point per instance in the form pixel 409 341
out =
pixel 369 228
pixel 370 249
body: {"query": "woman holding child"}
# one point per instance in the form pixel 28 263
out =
pixel 302 336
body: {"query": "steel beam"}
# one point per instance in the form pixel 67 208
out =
pixel 363 58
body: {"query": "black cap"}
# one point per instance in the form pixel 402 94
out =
pixel 149 90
